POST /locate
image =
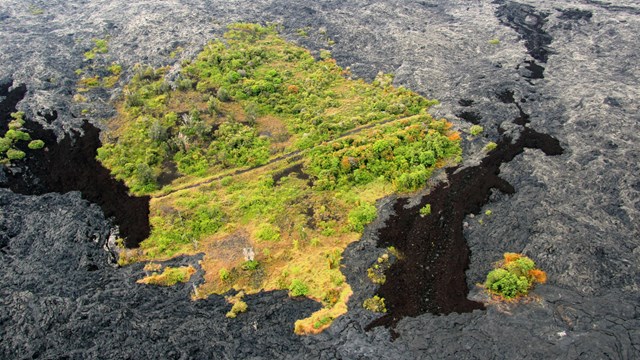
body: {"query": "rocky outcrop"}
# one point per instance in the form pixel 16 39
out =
pixel 564 69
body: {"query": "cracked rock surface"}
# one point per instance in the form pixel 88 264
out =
pixel 569 68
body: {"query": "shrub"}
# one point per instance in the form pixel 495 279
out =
pixel 223 94
pixel 361 216
pixel 376 276
pixel 298 288
pixel 36 144
pixel 5 144
pixel 490 146
pixel 224 274
pixel 514 277
pixel 426 210
pixel 375 304
pixel 267 232
pixel 476 130
pixel 238 307
pixel 226 181
pixel 250 265
pixel 377 270
pixel 13 154
pixel 115 69
pixel 16 135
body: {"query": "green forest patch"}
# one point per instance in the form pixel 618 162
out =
pixel 270 162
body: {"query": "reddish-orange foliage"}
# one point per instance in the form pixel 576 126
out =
pixel 509 257
pixel 455 136
pixel 346 164
pixel 292 89
pixel 538 275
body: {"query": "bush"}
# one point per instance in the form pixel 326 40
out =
pixel 298 288
pixel 223 94
pixel 375 304
pixel 5 144
pixel 490 146
pixel 16 135
pixel 250 265
pixel 476 130
pixel 36 144
pixel 267 232
pixel 514 277
pixel 238 307
pixel 361 216
pixel 506 284
pixel 13 154
pixel 426 210
pixel 224 274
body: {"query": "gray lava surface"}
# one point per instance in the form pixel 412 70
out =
pixel 567 69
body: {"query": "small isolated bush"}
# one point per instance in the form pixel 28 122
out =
pixel 476 130
pixel 490 146
pixel 250 265
pixel 237 308
pixel 115 68
pixel 494 41
pixel 17 135
pixel 376 275
pixel 5 144
pixel 514 277
pixel 298 288
pixel 36 144
pixel 267 232
pixel 224 274
pixel 13 154
pixel 375 304
pixel 426 210
pixel 377 271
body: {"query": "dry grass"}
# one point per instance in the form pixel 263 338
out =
pixel 170 276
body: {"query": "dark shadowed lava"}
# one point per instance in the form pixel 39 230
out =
pixel 70 165
pixel 430 276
